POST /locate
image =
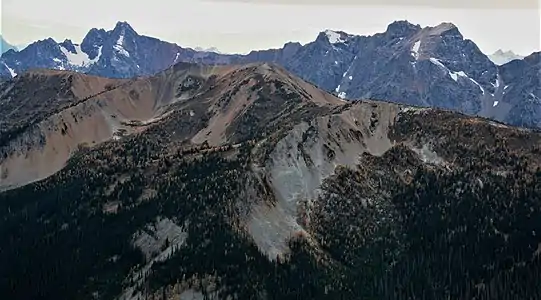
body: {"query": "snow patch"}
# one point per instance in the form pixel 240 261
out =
pixel 99 54
pixel 11 71
pixel 350 77
pixel 79 58
pixel 455 75
pixel 120 46
pixel 415 49
pixel 535 98
pixel 342 95
pixel 437 62
pixel 477 83
pixel 337 88
pixel 59 61
pixel 496 84
pixel 120 40
pixel 495 103
pixel 334 37
pixel 121 50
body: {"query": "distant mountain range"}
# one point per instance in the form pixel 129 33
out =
pixel 431 66
pixel 211 49
pixel 500 57
pixel 5 46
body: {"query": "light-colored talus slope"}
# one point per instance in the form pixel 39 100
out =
pixel 77 110
pixel 307 155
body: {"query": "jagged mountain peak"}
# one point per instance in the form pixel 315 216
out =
pixel 292 44
pixel 69 45
pixel 93 41
pixel 50 42
pixel 444 30
pixel 123 28
pixel 449 29
pixel 402 28
pixel 122 35
pixel 95 33
pixel 445 26
pixel 123 25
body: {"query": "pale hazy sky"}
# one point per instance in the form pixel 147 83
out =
pixel 239 26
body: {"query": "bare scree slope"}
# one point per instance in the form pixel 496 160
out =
pixel 246 182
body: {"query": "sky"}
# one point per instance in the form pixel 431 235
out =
pixel 237 26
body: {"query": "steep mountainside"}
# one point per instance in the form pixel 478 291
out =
pixel 432 66
pixel 246 182
pixel 521 95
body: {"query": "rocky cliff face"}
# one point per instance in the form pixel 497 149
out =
pixel 246 182
pixel 521 94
